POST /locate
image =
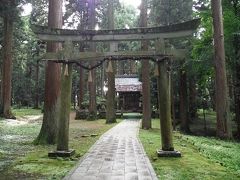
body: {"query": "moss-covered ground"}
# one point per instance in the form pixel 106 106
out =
pixel 20 159
pixel 202 157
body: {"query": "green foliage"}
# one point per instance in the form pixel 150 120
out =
pixel 27 52
pixel 194 164
pixel 26 112
pixel 39 12
pixel 225 153
pixel 201 64
pixel 44 166
pixel 170 11
pixel 125 16
pixel 21 159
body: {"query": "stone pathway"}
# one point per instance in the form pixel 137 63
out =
pixel 117 155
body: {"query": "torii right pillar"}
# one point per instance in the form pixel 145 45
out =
pixel 164 100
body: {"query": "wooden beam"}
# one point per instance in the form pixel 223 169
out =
pixel 92 56
pixel 136 34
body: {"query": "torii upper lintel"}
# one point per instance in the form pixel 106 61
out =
pixel 135 34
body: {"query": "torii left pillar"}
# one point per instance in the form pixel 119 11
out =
pixel 164 101
pixel 65 109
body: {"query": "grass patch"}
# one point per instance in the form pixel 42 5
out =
pixel 22 160
pixel 26 112
pixel 224 152
pixel 196 163
pixel 132 115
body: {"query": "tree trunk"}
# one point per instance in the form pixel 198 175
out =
pixel 222 100
pixel 48 131
pixel 237 84
pixel 192 98
pixel 92 96
pixel 146 97
pixel 92 84
pixel 111 109
pixel 183 102
pixel 65 108
pixel 81 87
pixel 173 106
pixel 82 82
pixel 165 106
pixel 132 67
pixel 102 79
pixel 36 104
pixel 7 68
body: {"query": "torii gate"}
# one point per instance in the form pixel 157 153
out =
pixel 161 56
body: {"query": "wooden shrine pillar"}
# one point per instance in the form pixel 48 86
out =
pixel 165 106
pixel 65 109
pixel 164 101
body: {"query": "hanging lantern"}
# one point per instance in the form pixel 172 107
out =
pixel 110 67
pixel 66 70
pixel 90 76
pixel 156 71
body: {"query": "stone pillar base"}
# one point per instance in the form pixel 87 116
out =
pixel 68 153
pixel 162 153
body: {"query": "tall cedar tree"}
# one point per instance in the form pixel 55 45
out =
pixel 237 82
pixel 48 131
pixel 92 83
pixel 183 94
pixel 222 101
pixel 111 114
pixel 7 59
pixel 146 121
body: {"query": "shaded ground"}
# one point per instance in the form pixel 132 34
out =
pixel 199 127
pixel 203 158
pixel 20 159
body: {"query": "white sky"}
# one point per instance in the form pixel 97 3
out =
pixel 134 3
pixel 27 9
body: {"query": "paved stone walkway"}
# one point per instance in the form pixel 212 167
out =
pixel 117 155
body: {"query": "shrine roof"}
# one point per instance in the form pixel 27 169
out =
pixel 128 84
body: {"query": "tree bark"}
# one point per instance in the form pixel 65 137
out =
pixel 81 87
pixel 222 99
pixel 237 84
pixel 82 84
pixel 36 104
pixel 92 84
pixel 173 106
pixel 48 131
pixel 102 79
pixel 192 98
pixel 164 97
pixel 146 96
pixel 183 102
pixel 92 97
pixel 132 67
pixel 111 108
pixel 7 68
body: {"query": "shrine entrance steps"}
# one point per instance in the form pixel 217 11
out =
pixel 117 155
